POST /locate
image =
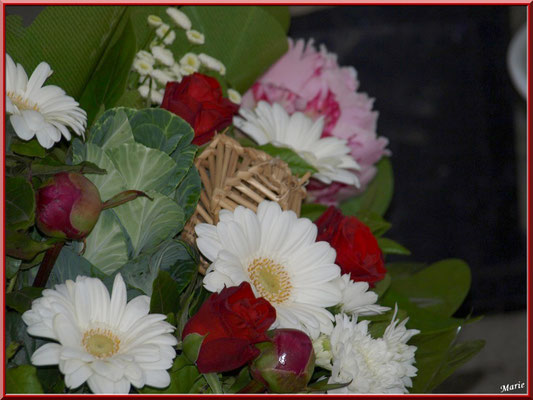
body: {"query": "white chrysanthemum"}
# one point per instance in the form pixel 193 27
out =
pixel 161 76
pixel 195 37
pixel 275 251
pixel 234 96
pixel 145 56
pixel 162 31
pixel 383 365
pixel 105 341
pixel 180 18
pixel 37 110
pixel 212 63
pixel 272 124
pixel 190 59
pixel 356 298
pixel 142 66
pixel 322 349
pixel 154 20
pixel 163 55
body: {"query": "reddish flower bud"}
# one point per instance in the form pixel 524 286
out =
pixel 68 206
pixel 285 364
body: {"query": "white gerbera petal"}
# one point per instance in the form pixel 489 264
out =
pixel 272 124
pixel 383 365
pixel 101 336
pixel 36 110
pixel 269 249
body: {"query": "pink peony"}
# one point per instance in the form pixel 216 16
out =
pixel 312 82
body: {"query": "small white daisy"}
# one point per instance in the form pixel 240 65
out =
pixel 383 365
pixel 180 18
pixel 195 37
pixel 163 55
pixel 191 60
pixel 272 124
pixel 175 71
pixel 142 66
pixel 154 20
pixel 187 70
pixel 212 63
pixel 234 96
pixel 37 110
pixel 356 298
pixel 103 340
pixel 146 56
pixel 162 31
pixel 275 251
pixel 161 76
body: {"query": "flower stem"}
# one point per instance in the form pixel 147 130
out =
pixel 11 284
pixel 123 197
pixel 48 263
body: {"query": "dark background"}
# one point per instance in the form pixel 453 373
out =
pixel 445 101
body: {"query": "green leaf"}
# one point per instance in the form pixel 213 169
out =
pixel 282 15
pixel 378 194
pixel 30 148
pixel 111 130
pixel 312 211
pixel 188 192
pixel 247 39
pixel 49 166
pixel 375 222
pixel 21 300
pixel 165 294
pixel 183 376
pixel 323 385
pixel 15 332
pixel 148 223
pixel 389 246
pixel 22 379
pixel 144 168
pixel 296 163
pixel 214 382
pixel 21 245
pixel 441 288
pixel 382 286
pixel 108 82
pixel 69 265
pixel 72 39
pixel 20 203
pixel 106 246
pixel 191 346
pixel 241 381
pixel 402 270
pixel 51 379
pixel 11 350
pixel 12 267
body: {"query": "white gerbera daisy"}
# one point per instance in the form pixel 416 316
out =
pixel 105 341
pixel 356 298
pixel 383 365
pixel 275 251
pixel 162 31
pixel 180 18
pixel 195 37
pixel 272 124
pixel 37 110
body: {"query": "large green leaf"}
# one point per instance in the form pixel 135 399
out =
pixel 21 300
pixel 378 194
pixel 188 192
pixel 20 203
pixel 108 82
pixel 109 184
pixel 165 294
pixel 312 210
pixel 296 163
pixel 144 168
pixel 441 288
pixel 389 246
pixel 247 39
pixel 282 15
pixel 21 245
pixel 106 246
pixel 111 130
pixel 72 39
pixel 23 379
pixel 69 265
pixel 183 376
pixel 149 222
pixel 30 148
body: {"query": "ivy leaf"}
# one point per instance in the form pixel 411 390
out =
pixel 296 163
pixel 20 203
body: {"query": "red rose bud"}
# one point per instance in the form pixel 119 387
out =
pixel 68 206
pixel 232 321
pixel 198 100
pixel 285 364
pixel 358 253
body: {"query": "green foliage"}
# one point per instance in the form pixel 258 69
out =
pixel 184 378
pixel 375 222
pixel 312 211
pixel 378 194
pixel 191 346
pixel 21 300
pixel 296 163
pixel 281 13
pixel 30 148
pixel 20 203
pixel 188 192
pixel 165 294
pixel 389 246
pixel 23 379
pixel 22 246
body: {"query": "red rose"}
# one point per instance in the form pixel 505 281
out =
pixel 358 253
pixel 198 100
pixel 233 320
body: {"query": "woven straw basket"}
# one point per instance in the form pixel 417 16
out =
pixel 233 175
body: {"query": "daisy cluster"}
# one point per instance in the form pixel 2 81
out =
pixel 158 66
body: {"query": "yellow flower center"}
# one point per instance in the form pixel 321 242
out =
pixel 101 343
pixel 22 103
pixel 270 279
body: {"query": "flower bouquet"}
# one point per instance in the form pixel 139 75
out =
pixel 195 204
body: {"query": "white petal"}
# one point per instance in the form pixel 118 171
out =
pixel 135 309
pixel 118 300
pixel 47 354
pixel 157 378
pixel 39 75
pixel 78 377
pixel 21 127
pixel 101 385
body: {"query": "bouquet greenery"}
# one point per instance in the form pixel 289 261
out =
pixel 195 204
